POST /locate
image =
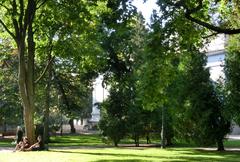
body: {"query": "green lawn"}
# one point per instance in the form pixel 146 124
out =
pixel 76 140
pixel 96 140
pixel 101 153
pixel 120 154
pixel 88 140
pixel 6 142
pixel 232 143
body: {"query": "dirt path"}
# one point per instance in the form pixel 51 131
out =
pixel 6 149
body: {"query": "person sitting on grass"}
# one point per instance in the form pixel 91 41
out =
pixel 38 146
pixel 22 145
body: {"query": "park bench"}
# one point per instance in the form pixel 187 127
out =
pixel 10 133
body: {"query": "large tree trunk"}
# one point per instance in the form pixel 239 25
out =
pixel 26 93
pixel 26 70
pixel 22 17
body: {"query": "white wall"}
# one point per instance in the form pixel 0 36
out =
pixel 215 64
pixel 99 94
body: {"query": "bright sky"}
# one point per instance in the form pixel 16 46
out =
pixel 146 8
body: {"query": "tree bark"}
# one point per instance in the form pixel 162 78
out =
pixel 163 133
pixel 136 139
pixel 148 138
pixel 47 104
pixel 26 69
pixel 26 93
pixel 73 130
pixel 22 17
pixel 46 115
pixel 220 146
pixel 4 126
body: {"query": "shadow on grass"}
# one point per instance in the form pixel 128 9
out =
pixel 187 155
pixel 6 142
pixel 212 155
pixel 116 160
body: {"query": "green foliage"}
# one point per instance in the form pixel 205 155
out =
pixel 232 87
pixel 10 106
pixel 203 108
pixel 151 73
pixel 75 96
pixel 218 16
pixel 113 114
pixel 169 80
pixel 118 47
pixel 73 39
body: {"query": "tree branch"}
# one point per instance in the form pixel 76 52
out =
pixel 61 90
pixel 4 6
pixel 28 12
pixel 45 70
pixel 15 23
pixel 189 12
pixel 205 24
pixel 6 28
pixel 210 26
pixel 20 21
pixel 210 35
pixel 41 4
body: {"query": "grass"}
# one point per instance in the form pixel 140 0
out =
pixel 6 142
pixel 96 140
pixel 120 154
pixel 76 140
pixel 232 143
pixel 108 154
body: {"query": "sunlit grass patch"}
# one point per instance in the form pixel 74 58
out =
pixel 120 154
pixel 103 153
pixel 76 140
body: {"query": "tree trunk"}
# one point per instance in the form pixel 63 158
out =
pixel 26 66
pixel 220 146
pixel 115 143
pixel 148 138
pixel 163 133
pixel 46 116
pixel 22 17
pixel 4 126
pixel 47 104
pixel 26 93
pixel 73 130
pixel 169 141
pixel 136 139
pixel 30 82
